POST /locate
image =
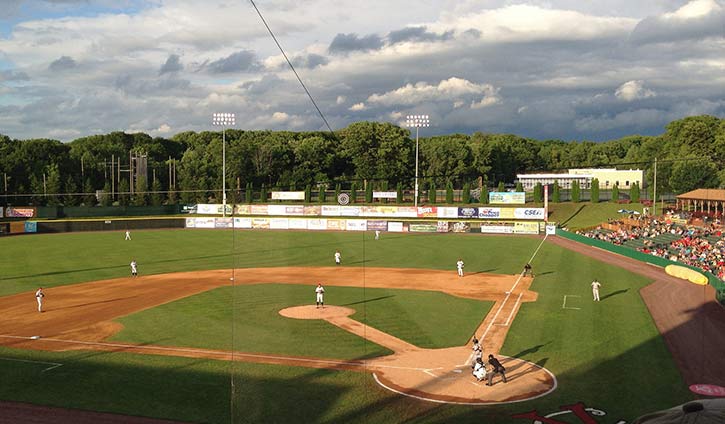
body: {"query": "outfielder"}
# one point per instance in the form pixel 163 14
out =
pixel 134 270
pixel 320 291
pixel 128 235
pixel 459 265
pixel 39 295
pixel 595 289
pixel 338 257
pixel 377 234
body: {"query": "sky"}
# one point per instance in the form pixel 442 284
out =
pixel 555 69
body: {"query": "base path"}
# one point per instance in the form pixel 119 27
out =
pixel 691 322
pixel 81 317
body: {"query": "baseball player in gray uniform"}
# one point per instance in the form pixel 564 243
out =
pixel 39 295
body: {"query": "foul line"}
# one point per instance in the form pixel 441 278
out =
pixel 54 364
pixel 563 305
pixel 220 353
pixel 511 314
pixel 508 293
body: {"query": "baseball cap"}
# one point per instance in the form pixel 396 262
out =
pixel 704 411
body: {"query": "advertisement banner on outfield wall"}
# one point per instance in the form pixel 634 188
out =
pixel 297 224
pixel 204 223
pixel 279 223
pixel 529 213
pixel 331 210
pixel 489 213
pixel 273 210
pixel 461 227
pixel 260 223
pixel 447 212
pixel 507 198
pixel 423 227
pixel 407 211
pixel 336 224
pixel 350 210
pixel 190 223
pixel 468 213
pixel 427 212
pixel 356 225
pixel 20 212
pixel 242 222
pixel 288 195
pixel 497 229
pixel 396 227
pixel 258 210
pixel 312 210
pixel 526 228
pixel 223 223
pixel 507 213
pixel 294 210
pixel 442 227
pixel 316 224
pixel 385 194
pixel 242 209
pixel 377 225
pixel 31 227
pixel 551 230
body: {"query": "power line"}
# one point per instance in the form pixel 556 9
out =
pixel 292 67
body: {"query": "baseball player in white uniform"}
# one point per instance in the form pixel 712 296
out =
pixel 477 351
pixel 377 234
pixel 320 291
pixel 39 295
pixel 128 235
pixel 338 257
pixel 595 289
pixel 134 270
pixel 479 369
pixel 459 265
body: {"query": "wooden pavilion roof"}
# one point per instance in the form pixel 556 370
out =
pixel 704 194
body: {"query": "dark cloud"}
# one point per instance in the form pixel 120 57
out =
pixel 172 65
pixel 62 64
pixel 662 30
pixel 11 75
pixel 417 34
pixel 344 43
pixel 310 61
pixel 241 61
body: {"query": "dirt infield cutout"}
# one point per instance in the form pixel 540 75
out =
pixel 80 317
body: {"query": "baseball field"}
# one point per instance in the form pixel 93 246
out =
pixel 220 326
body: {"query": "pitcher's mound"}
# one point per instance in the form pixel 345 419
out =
pixel 313 312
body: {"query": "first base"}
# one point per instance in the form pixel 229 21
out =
pixel 34 337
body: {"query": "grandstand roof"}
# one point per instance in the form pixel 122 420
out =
pixel 704 194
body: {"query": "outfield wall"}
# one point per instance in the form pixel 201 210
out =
pixel 718 284
pixel 64 226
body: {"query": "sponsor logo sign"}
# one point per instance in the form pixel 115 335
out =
pixel 529 213
pixel 468 212
pixel 260 223
pixel 223 223
pixel 395 227
pixel 20 212
pixel 276 210
pixel 492 213
pixel 442 227
pixel 242 222
pixel 343 199
pixel 427 211
pixel 297 224
pixel 526 228
pixel 294 210
pixel 406 211
pixel 377 225
pixel 566 414
pixel 335 224
pixel 497 229
pixel 461 227
pixel 707 389
pixel 242 209
pixel 205 223
pixel 190 222
pixel 385 194
pixel 258 209
pixel 551 230
pixel 288 195
pixel 350 210
pixel 447 212
pixel 507 198
pixel 312 210
pixel 356 225
pixel 279 223
pixel 330 211
pixel 31 227
pixel 422 227
pixel 317 224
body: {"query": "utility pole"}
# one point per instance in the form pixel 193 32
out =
pixel 654 201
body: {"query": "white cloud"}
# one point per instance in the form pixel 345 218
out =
pixel 163 129
pixel 454 90
pixel 357 107
pixel 694 9
pixel 633 90
pixel 340 100
pixel 280 117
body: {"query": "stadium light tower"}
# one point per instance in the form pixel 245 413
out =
pixel 416 121
pixel 224 120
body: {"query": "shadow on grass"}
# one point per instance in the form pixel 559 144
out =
pixel 368 300
pixel 614 294
pixel 572 216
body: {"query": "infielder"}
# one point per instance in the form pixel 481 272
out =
pixel 595 289
pixel 459 265
pixel 320 291
pixel 338 257
pixel 128 235
pixel 39 295
pixel 134 270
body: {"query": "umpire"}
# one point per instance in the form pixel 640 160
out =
pixel 496 368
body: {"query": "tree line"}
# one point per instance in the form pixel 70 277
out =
pixel 187 167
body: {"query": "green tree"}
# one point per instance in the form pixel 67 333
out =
pixel 466 195
pixel 71 189
pixel 575 192
pixel 140 197
pixel 689 175
pixel 615 193
pixel 338 190
pixel 449 192
pixel 172 198
pixel 353 192
pixel 157 197
pixel 432 193
pixel 308 193
pixel 384 187
pixel 595 191
pixel 263 195
pixel 556 192
pixel 634 192
pixel 399 193
pixel 484 194
pixel 501 186
pixel 106 199
pixel 124 197
pixel 53 184
pixel 369 192
pixel 519 186
pixel 321 194
pixel 89 198
pixel 538 193
pixel 249 195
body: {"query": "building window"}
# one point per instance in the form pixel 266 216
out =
pixel 626 183
pixel 607 183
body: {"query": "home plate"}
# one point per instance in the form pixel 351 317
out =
pixel 508 292
pixel 34 337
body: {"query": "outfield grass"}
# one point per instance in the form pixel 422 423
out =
pixel 584 215
pixel 425 319
pixel 606 354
